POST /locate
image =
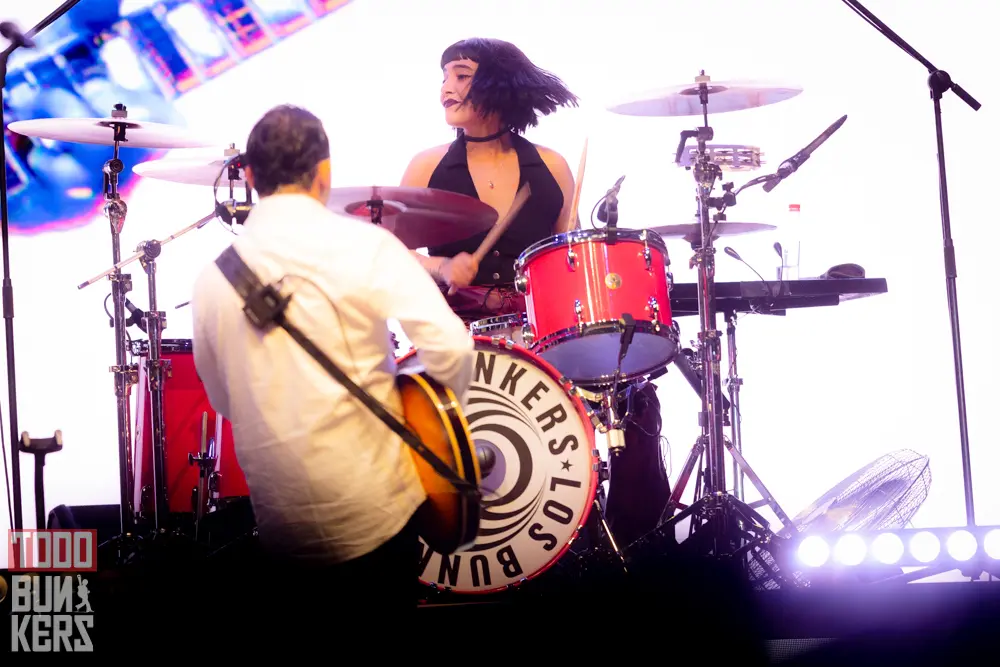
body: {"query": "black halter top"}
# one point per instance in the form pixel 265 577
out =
pixel 535 221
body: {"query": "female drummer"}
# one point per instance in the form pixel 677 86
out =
pixel 491 94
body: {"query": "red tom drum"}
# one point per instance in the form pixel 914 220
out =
pixel 577 287
pixel 184 403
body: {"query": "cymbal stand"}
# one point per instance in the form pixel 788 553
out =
pixel 127 375
pixel 155 366
pixel 722 524
pixel 733 383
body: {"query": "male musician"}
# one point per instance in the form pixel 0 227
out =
pixel 331 485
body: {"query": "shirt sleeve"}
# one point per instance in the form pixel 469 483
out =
pixel 408 294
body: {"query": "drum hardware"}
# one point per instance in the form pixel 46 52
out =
pixel 941 82
pixel 727 522
pixel 205 460
pixel 126 374
pixel 39 447
pixel 230 211
pixel 116 131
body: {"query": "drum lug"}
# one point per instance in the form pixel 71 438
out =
pixel 571 259
pixel 647 254
pixel 578 309
pixel 521 283
pixel 528 335
pixel 670 282
pixel 654 311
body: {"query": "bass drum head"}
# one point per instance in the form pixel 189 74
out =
pixel 540 491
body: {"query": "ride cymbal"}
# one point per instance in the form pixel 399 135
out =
pixel 419 217
pixel 685 99
pixel 101 131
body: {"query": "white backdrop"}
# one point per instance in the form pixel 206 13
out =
pixel 826 390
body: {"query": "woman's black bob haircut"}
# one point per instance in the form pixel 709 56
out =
pixel 508 84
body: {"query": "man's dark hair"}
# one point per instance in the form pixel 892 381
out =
pixel 285 147
pixel 508 84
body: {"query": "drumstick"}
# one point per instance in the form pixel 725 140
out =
pixel 502 224
pixel 500 227
pixel 579 183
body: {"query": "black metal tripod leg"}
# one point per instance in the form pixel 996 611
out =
pixel 608 534
pixel 786 522
pixel 678 491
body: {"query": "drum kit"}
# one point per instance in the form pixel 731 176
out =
pixel 597 322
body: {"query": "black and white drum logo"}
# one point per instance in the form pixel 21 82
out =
pixel 542 485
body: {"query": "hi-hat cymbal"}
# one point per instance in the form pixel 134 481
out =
pixel 419 217
pixel 684 100
pixel 101 131
pixel 187 171
pixel 692 231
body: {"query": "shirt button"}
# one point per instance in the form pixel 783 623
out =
pixel 496 276
pixel 496 253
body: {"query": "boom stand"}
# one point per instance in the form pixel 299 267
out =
pixel 940 82
pixel 147 252
pixel 155 322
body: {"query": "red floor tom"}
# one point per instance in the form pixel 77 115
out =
pixel 577 287
pixel 184 403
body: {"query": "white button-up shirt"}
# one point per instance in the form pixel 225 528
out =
pixel 328 480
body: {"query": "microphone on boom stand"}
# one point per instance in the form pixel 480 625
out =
pixel 608 211
pixel 792 164
pixel 230 211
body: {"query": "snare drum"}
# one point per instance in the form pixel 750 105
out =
pixel 504 326
pixel 184 403
pixel 577 287
pixel 539 493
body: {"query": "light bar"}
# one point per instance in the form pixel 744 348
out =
pixel 911 547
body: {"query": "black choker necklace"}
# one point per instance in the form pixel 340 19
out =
pixel 479 140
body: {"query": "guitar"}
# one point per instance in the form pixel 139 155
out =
pixel 449 520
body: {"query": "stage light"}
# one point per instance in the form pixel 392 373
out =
pixel 962 545
pixel 991 543
pixel 814 551
pixel 925 546
pixel 887 548
pixel 850 550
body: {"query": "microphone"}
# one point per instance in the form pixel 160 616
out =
pixel 135 317
pixel 13 34
pixel 777 249
pixel 610 204
pixel 792 164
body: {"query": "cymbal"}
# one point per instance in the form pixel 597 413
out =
pixel 684 100
pixel 692 231
pixel 100 131
pixel 187 171
pixel 419 217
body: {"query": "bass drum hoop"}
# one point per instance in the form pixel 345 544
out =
pixel 587 417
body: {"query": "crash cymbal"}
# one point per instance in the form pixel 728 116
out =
pixel 188 171
pixel 419 217
pixel 684 100
pixel 692 231
pixel 100 131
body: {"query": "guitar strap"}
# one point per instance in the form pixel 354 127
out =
pixel 264 305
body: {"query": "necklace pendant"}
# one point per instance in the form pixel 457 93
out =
pixel 491 185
